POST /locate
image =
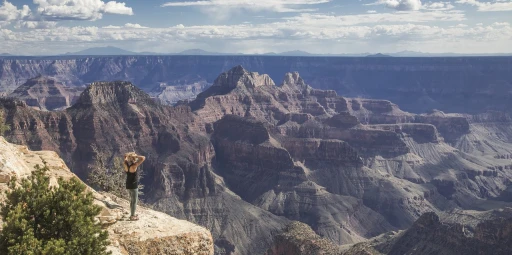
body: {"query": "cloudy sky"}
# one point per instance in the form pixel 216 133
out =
pixel 43 27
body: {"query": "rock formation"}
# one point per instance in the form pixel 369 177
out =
pixel 154 233
pixel 118 117
pixel 299 238
pixel 454 232
pixel 247 156
pixel 46 93
pixel 451 84
pixel 172 94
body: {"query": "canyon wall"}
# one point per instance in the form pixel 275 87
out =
pixel 450 84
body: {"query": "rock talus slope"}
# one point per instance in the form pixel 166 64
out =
pixel 154 233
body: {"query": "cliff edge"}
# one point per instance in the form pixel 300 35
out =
pixel 154 233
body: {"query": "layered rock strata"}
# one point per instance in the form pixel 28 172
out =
pixel 451 84
pixel 46 93
pixel 112 118
pixel 457 232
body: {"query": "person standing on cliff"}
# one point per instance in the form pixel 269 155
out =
pixel 130 164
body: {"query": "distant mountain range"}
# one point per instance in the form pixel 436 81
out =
pixel 115 51
pixel 109 50
pixel 379 55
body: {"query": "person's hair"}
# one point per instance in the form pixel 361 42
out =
pixel 131 157
pixel 130 154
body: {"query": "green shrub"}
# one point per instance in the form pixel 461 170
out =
pixel 39 219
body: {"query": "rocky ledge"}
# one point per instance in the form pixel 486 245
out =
pixel 154 233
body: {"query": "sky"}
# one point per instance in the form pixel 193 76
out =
pixel 48 27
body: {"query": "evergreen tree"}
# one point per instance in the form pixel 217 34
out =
pixel 39 219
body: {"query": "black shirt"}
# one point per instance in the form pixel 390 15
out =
pixel 132 180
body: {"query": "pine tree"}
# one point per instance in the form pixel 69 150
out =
pixel 39 219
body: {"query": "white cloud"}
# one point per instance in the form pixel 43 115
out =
pixel 127 25
pixel 35 24
pixel 130 25
pixel 320 20
pixel 400 5
pixel 9 13
pixel 439 6
pixel 310 32
pixel 50 11
pixel 316 32
pixel 112 27
pixel 79 9
pixel 256 5
pixel 497 5
pixel 499 24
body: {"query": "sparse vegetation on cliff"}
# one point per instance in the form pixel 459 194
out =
pixel 3 127
pixel 110 177
pixel 44 218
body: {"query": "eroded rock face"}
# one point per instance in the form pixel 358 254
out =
pixel 172 94
pixel 270 171
pixel 118 117
pixel 154 233
pixel 416 84
pixel 457 233
pixel 46 93
pixel 399 152
pixel 299 239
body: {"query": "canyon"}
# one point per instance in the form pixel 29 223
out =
pixel 451 84
pixel 249 159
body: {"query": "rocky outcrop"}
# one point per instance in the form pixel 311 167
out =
pixel 420 133
pixel 40 130
pixel 46 93
pixel 300 239
pixel 172 94
pixel 370 111
pixel 451 126
pixel 154 233
pixel 432 235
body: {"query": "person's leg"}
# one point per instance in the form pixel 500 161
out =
pixel 136 200
pixel 134 197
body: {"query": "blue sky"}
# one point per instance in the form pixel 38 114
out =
pixel 42 27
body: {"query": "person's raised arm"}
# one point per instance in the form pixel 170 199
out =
pixel 125 166
pixel 140 160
